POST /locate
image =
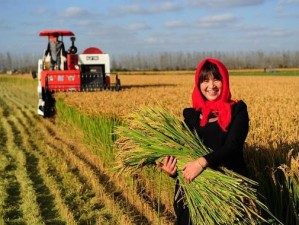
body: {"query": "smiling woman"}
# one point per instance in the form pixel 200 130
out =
pixel 225 135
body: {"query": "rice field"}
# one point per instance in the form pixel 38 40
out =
pixel 46 177
pixel 56 171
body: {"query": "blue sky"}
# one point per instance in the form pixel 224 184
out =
pixel 150 26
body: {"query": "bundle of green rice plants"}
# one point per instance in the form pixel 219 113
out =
pixel 215 196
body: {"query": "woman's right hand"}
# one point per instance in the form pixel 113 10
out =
pixel 169 165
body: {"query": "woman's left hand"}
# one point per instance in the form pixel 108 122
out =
pixel 192 169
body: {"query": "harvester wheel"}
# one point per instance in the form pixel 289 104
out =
pixel 49 107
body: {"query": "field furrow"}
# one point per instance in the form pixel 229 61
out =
pixel 77 206
pixel 37 199
pixel 91 176
pixel 132 201
pixel 11 180
pixel 59 181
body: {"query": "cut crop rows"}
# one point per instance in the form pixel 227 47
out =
pixel 48 178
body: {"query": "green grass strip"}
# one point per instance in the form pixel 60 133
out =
pixel 98 130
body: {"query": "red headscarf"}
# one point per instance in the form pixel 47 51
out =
pixel 222 105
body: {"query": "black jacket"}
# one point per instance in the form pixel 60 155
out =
pixel 227 146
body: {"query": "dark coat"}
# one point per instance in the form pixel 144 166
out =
pixel 227 148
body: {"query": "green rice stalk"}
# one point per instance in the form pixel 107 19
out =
pixel 215 196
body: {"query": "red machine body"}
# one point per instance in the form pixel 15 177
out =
pixel 67 79
pixel 62 80
pixel 88 71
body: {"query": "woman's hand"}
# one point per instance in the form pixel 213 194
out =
pixel 192 169
pixel 169 165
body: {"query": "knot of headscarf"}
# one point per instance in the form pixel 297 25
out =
pixel 221 107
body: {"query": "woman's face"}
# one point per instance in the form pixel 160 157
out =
pixel 211 88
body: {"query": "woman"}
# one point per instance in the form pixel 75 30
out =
pixel 220 122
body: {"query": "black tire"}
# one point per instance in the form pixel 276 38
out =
pixel 49 108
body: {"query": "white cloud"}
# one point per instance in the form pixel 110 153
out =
pixel 40 11
pixel 165 7
pixel 288 9
pixel 286 3
pixel 249 27
pixel 86 22
pixel 128 9
pixel 137 9
pixel 150 40
pixel 274 33
pixel 174 24
pixel 217 20
pixel 224 3
pixel 138 26
pixel 74 12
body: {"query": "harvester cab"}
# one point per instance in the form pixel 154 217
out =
pixel 88 71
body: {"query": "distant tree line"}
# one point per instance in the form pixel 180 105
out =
pixel 169 60
pixel 12 63
pixel 189 60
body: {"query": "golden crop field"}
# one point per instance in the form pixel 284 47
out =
pixel 50 173
pixel 273 106
pixel 272 102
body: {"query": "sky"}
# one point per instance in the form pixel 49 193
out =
pixel 152 26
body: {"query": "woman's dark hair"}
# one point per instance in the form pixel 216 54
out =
pixel 209 69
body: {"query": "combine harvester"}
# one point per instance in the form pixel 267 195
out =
pixel 89 71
